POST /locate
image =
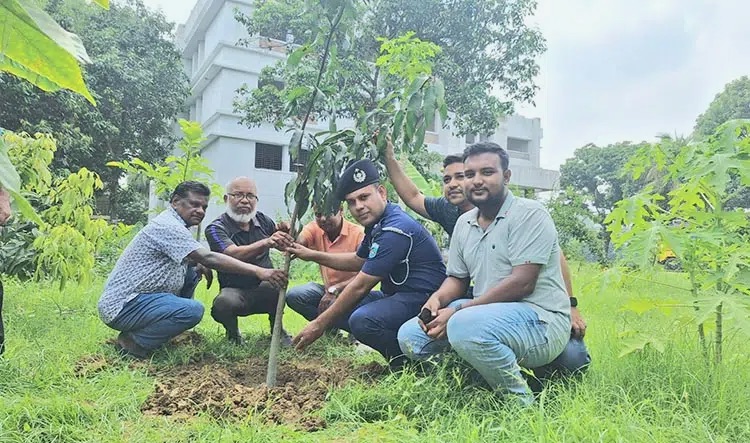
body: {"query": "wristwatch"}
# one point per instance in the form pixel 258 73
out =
pixel 333 290
pixel 573 302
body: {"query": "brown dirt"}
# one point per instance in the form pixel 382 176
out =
pixel 236 390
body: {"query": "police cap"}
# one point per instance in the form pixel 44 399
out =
pixel 358 175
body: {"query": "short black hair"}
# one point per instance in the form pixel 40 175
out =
pixel 182 190
pixel 488 147
pixel 453 158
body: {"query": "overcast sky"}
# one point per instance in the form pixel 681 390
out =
pixel 620 70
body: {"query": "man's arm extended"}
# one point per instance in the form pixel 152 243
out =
pixel 226 263
pixel 520 283
pixel 452 288
pixel 405 188
pixel 353 293
pixel 578 324
pixel 349 297
pixel 343 261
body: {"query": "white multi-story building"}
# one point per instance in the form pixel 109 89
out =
pixel 217 67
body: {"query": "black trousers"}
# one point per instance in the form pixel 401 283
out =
pixel 232 303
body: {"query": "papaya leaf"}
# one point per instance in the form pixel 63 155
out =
pixel 639 344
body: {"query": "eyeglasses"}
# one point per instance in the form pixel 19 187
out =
pixel 239 196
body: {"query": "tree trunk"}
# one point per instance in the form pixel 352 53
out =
pixel 694 291
pixel 273 355
pixel 719 333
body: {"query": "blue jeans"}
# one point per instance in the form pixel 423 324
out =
pixel 305 299
pixel 375 321
pixel 496 340
pixel 573 360
pixel 153 319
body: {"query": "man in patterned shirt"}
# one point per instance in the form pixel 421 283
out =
pixel 144 295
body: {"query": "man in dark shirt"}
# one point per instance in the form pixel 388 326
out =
pixel 247 235
pixel 397 252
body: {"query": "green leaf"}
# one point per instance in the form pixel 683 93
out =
pixel 103 3
pixel 295 144
pixel 398 123
pixel 37 49
pixel 25 208
pixel 418 179
pixel 296 56
pixel 430 102
pixel 440 100
pixel 9 178
pixel 639 343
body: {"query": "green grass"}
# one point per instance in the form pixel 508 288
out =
pixel 643 397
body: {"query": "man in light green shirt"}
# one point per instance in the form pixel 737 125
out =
pixel 520 312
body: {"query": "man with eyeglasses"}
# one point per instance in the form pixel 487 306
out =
pixel 247 235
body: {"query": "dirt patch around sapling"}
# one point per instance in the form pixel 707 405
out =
pixel 236 390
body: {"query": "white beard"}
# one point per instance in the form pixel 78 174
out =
pixel 241 218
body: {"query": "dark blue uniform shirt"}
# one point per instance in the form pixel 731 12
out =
pixel 403 253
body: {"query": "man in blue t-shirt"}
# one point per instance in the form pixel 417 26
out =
pixel 397 252
pixel 445 211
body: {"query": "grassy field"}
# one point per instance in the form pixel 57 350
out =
pixel 643 397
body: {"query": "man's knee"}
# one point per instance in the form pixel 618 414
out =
pixel 223 306
pixel 361 323
pixel 574 358
pixel 411 338
pixel 460 333
pixel 296 297
pixel 194 313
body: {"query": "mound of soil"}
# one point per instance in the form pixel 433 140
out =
pixel 236 390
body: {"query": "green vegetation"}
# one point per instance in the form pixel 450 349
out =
pixel 643 397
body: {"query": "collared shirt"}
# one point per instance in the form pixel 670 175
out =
pixel 523 232
pixel 224 232
pixel 348 241
pixel 442 212
pixel 403 253
pixel 154 262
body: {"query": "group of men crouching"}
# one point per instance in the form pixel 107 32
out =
pixel 504 301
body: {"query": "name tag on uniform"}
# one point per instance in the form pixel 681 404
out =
pixel 373 250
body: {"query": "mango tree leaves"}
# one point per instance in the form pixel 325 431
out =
pixel 38 50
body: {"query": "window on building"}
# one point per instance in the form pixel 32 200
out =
pixel 518 145
pixel 304 157
pixel 484 137
pixel 470 138
pixel 268 156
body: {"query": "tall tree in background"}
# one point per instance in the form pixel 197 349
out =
pixel 731 103
pixel 486 47
pixel 136 77
pixel 596 173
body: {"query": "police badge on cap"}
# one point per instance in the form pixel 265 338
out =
pixel 358 175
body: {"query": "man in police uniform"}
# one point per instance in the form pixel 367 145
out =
pixel 397 252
